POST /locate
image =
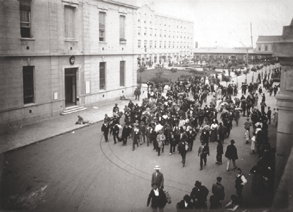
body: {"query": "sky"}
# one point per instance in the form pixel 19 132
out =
pixel 226 23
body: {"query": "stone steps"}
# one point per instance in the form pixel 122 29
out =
pixel 73 109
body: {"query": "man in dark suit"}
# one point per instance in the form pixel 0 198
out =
pixel 158 177
pixel 115 132
pixel 105 130
pixel 126 131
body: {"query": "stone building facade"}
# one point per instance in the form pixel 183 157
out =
pixel 283 50
pixel 60 54
pixel 162 38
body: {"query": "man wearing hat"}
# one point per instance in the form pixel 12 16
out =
pixel 199 195
pixel 158 177
pixel 231 154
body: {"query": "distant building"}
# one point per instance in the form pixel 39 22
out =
pixel 265 43
pixel 230 54
pixel 59 54
pixel 162 38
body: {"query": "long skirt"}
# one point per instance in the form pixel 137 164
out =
pixel 214 135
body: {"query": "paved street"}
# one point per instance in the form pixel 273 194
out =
pixel 78 171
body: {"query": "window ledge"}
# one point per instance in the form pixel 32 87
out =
pixel 27 39
pixel 102 42
pixel 122 42
pixel 29 104
pixel 70 40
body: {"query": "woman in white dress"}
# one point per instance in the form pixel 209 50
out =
pixel 275 119
pixel 214 128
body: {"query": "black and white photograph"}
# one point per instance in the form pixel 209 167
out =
pixel 146 105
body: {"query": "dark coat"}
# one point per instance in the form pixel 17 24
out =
pixel 181 206
pixel 158 180
pixel 105 128
pixel 157 201
pixel 218 190
pixel 231 152
pixel 126 131
pixel 220 149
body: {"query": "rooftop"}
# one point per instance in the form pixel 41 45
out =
pixel 268 38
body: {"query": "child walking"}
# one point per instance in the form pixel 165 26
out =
pixel 246 134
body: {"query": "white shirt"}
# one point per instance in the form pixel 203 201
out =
pixel 156 192
pixel 244 181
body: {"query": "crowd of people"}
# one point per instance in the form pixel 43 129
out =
pixel 175 115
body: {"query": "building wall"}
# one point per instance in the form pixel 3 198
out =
pixel 49 51
pixel 174 34
pixel 264 47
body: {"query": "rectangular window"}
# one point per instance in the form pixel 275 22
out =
pixel 122 28
pixel 139 30
pixel 102 28
pixel 155 32
pixel 69 22
pixel 25 18
pixel 102 76
pixel 122 73
pixel 145 43
pixel 139 43
pixel 266 48
pixel 164 44
pixel 28 84
pixel 169 44
pixel 145 31
pixel 155 46
pixel 160 44
pixel 150 44
pixel 151 31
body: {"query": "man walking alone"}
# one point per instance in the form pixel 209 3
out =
pixel 231 154
pixel 203 151
pixel 158 177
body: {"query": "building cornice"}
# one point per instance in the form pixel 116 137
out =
pixel 120 4
pixel 174 18
pixel 63 55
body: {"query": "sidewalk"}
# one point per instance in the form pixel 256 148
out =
pixel 48 128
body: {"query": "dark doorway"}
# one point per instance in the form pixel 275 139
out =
pixel 70 87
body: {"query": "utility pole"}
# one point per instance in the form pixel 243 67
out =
pixel 251 35
pixel 247 67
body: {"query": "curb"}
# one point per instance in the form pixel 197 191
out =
pixel 53 136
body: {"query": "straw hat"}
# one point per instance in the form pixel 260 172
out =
pixel 157 167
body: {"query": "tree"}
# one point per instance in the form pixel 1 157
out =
pixel 141 69
pixel 160 70
pixel 173 70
